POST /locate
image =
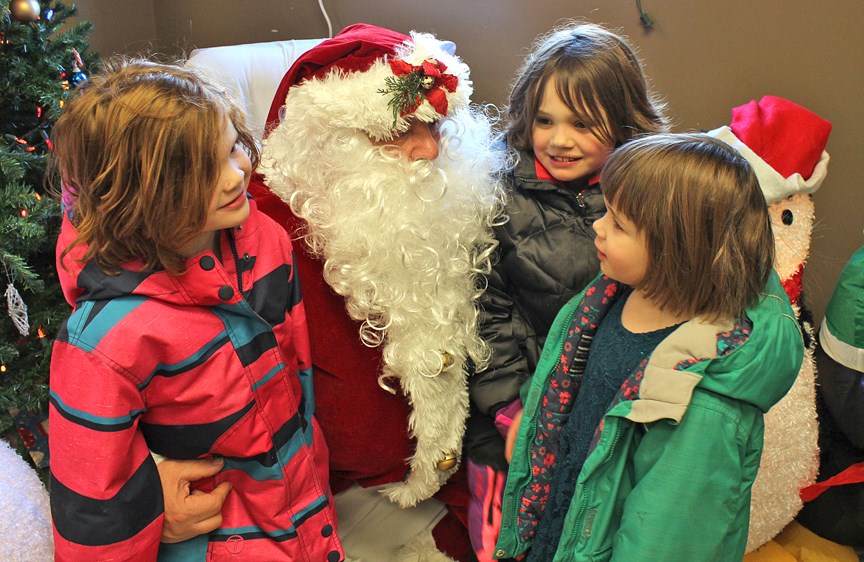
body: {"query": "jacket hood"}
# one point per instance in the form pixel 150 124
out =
pixel 82 281
pixel 755 362
pixel 762 369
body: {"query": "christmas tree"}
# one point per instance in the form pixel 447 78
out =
pixel 43 58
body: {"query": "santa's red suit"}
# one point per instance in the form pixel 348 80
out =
pixel 410 436
pixel 366 428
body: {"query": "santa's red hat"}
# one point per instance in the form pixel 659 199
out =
pixel 784 143
pixel 375 80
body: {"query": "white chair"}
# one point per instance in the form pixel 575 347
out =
pixel 251 72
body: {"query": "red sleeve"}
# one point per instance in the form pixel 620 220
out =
pixel 106 496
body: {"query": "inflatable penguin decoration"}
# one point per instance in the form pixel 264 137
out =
pixel 785 144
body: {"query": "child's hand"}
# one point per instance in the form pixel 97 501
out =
pixel 510 441
pixel 189 513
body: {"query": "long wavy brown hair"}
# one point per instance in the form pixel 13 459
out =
pixel 137 154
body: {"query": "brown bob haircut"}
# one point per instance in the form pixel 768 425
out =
pixel 595 71
pixel 138 153
pixel 698 203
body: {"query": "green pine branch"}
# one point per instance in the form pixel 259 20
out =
pixel 36 62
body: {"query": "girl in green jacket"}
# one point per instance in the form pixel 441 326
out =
pixel 643 426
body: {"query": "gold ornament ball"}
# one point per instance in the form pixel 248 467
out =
pixel 25 11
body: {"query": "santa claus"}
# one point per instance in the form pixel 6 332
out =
pixel 375 159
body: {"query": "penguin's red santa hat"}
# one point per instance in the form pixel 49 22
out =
pixel 783 142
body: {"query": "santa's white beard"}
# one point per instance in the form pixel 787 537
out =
pixel 407 245
pixel 404 243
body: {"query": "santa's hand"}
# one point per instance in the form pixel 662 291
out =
pixel 189 513
pixel 511 435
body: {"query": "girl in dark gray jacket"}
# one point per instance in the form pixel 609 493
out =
pixel 579 94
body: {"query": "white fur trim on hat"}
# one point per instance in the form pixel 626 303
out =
pixel 358 100
pixel 774 186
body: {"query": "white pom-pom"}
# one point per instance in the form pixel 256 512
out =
pixel 25 517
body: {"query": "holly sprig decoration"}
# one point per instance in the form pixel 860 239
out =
pixel 410 85
pixel 405 92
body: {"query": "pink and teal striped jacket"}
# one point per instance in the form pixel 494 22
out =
pixel 214 362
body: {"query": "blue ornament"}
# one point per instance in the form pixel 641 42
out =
pixel 77 77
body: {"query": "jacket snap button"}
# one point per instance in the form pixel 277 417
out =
pixel 226 292
pixel 207 263
pixel 333 556
pixel 234 544
pixel 326 530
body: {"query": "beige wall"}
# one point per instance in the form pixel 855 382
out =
pixel 704 57
pixel 120 26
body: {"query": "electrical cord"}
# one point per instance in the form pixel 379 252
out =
pixel 644 18
pixel 326 17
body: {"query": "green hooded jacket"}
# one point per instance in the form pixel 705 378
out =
pixel 669 473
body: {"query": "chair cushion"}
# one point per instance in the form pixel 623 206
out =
pixel 251 72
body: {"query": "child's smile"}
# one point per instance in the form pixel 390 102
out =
pixel 564 143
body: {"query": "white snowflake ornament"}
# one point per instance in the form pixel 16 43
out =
pixel 17 310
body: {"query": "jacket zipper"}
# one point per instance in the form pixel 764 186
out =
pixel 233 244
pixel 533 432
pixel 586 527
pixel 580 200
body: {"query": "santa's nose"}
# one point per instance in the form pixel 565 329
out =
pixel 422 143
